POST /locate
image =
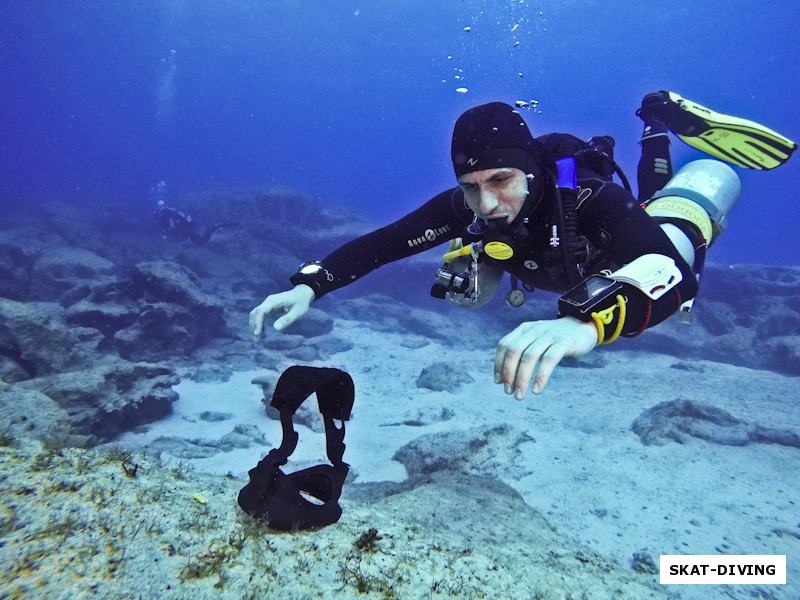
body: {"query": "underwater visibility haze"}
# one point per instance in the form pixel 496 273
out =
pixel 354 103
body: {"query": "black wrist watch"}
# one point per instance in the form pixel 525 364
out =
pixel 314 275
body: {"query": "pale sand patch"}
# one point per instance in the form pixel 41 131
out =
pixel 586 472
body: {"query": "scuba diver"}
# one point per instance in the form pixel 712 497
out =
pixel 547 211
pixel 177 224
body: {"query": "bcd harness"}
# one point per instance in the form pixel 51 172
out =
pixel 569 252
pixel 309 498
pixel 601 299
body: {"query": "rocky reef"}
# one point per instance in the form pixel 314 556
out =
pixel 101 312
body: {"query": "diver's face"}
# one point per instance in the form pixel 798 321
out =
pixel 495 193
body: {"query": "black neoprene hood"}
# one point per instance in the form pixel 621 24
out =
pixel 493 136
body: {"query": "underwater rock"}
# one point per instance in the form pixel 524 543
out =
pixel 165 281
pixel 313 324
pixel 161 282
pixel 11 371
pixel 104 306
pixel 748 315
pixel 307 341
pixel 442 376
pixel 35 337
pixel 158 313
pixel 463 537
pixel 284 343
pixel 183 448
pixel 414 342
pixel 295 347
pixel 424 416
pixel 265 382
pixel 304 354
pixel 18 252
pixel 744 286
pixel 688 366
pixel 107 400
pixel 28 418
pixel 209 416
pixel 61 269
pixel 110 297
pixel 278 348
pixel 175 315
pixel 682 420
pixel 161 331
pixel 478 515
pixel 593 360
pixel 208 373
pixel 385 313
pixel 331 344
pixel 475 451
pixel 784 353
pixel 242 436
pixel 643 563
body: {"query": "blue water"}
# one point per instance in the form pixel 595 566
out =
pixel 353 102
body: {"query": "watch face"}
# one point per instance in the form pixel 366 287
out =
pixel 515 298
pixel 310 268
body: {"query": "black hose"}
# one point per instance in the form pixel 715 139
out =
pixel 566 216
pixel 621 174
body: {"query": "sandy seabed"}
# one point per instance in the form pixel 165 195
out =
pixel 553 503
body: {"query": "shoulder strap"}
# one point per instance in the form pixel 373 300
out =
pixel 596 155
pixel 335 396
pixel 334 388
pixel 562 145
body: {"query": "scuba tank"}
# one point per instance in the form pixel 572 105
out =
pixel 702 192
pixel 692 209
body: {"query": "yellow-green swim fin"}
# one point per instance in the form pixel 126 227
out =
pixel 732 139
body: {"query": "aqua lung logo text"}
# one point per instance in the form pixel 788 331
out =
pixel 472 162
pixel 430 235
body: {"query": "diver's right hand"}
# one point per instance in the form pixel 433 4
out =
pixel 294 303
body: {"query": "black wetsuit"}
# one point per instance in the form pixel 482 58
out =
pixel 180 225
pixel 609 217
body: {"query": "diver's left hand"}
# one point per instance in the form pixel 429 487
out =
pixel 542 343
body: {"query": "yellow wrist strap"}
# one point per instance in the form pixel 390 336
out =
pixel 604 317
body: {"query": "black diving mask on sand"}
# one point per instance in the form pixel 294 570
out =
pixel 306 499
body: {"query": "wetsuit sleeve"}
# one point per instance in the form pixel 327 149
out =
pixel 440 219
pixel 614 221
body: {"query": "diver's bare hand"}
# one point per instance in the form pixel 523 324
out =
pixel 293 303
pixel 542 344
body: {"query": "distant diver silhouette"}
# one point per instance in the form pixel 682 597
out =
pixel 178 224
